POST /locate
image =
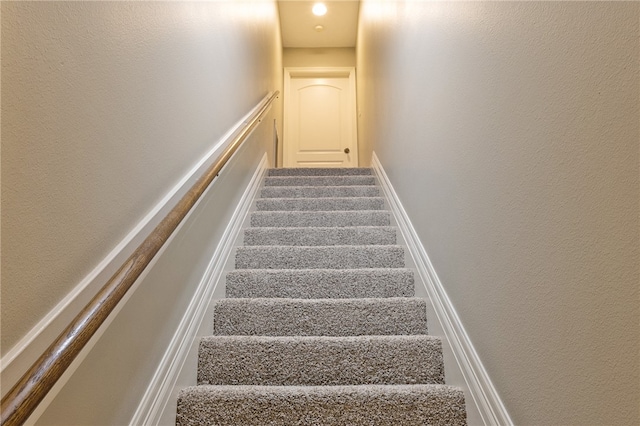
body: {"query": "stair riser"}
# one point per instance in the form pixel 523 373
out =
pixel 320 219
pixel 319 191
pixel 336 257
pixel 313 361
pixel 321 283
pixel 320 204
pixel 415 405
pixel 320 236
pixel 298 317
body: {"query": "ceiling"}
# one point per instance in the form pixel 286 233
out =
pixel 298 24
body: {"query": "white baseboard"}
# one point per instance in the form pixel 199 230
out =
pixel 480 388
pixel 24 353
pixel 161 388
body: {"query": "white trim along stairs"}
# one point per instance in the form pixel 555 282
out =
pixel 157 405
pixel 482 398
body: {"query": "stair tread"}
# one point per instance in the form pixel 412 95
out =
pixel 317 236
pixel 320 360
pixel 321 218
pixel 376 197
pixel 315 317
pixel 407 405
pixel 325 257
pixel 324 228
pixel 320 171
pixel 319 191
pixel 320 283
pixel 320 204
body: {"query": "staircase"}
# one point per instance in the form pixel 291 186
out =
pixel 320 326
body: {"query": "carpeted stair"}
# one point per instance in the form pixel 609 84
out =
pixel 320 325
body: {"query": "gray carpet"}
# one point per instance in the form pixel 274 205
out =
pixel 319 191
pixel 320 283
pixel 320 360
pixel 314 257
pixel 284 219
pixel 320 317
pixel 320 204
pixel 380 405
pixel 317 236
pixel 321 326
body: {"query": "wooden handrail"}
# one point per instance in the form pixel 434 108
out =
pixel 20 402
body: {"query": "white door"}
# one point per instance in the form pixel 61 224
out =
pixel 320 118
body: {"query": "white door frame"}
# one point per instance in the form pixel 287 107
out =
pixel 320 72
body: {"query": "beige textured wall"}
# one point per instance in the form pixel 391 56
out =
pixel 510 131
pixel 319 57
pixel 105 106
pixel 111 381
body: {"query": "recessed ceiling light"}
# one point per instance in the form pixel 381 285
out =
pixel 319 9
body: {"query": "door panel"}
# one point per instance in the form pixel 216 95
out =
pixel 319 122
pixel 319 112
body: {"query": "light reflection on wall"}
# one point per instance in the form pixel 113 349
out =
pixel 380 10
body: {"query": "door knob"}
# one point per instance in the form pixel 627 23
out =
pixel 347 150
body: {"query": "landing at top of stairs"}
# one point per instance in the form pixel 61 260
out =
pixel 319 180
pixel 320 171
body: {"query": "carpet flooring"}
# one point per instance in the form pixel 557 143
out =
pixel 321 325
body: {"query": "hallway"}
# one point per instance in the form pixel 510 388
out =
pixel 509 132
